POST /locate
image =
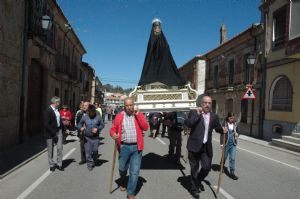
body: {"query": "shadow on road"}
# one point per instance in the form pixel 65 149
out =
pixel 99 162
pixel 153 161
pixel 185 182
pixel 67 162
pixel 216 168
pixel 139 185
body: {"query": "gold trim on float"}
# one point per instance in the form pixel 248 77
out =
pixel 162 97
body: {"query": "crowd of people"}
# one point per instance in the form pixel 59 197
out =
pixel 128 127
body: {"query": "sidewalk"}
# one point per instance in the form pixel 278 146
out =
pixel 266 144
pixel 17 156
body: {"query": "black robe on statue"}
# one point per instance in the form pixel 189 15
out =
pixel 159 65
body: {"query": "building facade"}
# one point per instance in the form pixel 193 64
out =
pixel 194 72
pixel 37 63
pixel 228 74
pixel 282 49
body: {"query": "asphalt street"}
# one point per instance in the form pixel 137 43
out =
pixel 264 173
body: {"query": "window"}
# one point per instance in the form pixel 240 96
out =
pixel 295 19
pixel 66 97
pixel 56 92
pixel 244 111
pixel 281 94
pixel 248 71
pixel 279 25
pixel 214 106
pixel 216 73
pixel 231 72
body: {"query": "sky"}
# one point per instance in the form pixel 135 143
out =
pixel 115 33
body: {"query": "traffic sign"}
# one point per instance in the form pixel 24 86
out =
pixel 249 94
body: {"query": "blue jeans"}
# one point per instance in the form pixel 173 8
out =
pixel 230 150
pixel 131 158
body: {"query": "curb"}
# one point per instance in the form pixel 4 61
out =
pixel 22 164
pixel 266 144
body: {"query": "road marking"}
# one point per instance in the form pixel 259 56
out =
pixel 40 179
pixel 222 191
pixel 160 141
pixel 257 154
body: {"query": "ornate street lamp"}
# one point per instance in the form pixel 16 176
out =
pixel 46 22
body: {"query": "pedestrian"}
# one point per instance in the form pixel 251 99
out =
pixel 91 124
pixel 230 142
pixel 202 122
pixel 109 112
pixel 66 117
pixel 153 121
pixel 127 129
pixel 80 113
pixel 53 133
pixel 175 138
pixel 165 124
pixel 103 113
pixel 98 109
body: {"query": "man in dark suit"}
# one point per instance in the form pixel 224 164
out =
pixel 202 122
pixel 53 132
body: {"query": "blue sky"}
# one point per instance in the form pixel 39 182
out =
pixel 115 33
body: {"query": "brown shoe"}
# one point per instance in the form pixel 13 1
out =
pixel 122 188
pixel 131 197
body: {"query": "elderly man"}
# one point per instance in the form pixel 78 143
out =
pixel 127 129
pixel 53 132
pixel 202 122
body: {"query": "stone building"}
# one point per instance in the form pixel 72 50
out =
pixel 228 74
pixel 194 72
pixel 12 57
pixel 87 75
pixel 36 63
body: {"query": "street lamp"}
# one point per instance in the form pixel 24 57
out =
pixel 46 22
pixel 251 59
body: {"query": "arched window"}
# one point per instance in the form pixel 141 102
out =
pixel 281 94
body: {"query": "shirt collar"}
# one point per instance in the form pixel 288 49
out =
pixel 55 109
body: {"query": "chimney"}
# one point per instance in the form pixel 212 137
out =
pixel 223 33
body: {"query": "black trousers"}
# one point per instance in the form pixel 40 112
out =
pixel 194 159
pixel 175 142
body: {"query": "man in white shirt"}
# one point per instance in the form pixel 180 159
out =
pixel 53 133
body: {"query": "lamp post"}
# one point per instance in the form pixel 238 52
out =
pixel 251 59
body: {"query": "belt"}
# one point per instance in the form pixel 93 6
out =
pixel 134 143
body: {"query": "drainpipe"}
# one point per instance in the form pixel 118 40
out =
pixel 23 69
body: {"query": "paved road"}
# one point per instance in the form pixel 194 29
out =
pixel 264 173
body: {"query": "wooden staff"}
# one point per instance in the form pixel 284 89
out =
pixel 186 132
pixel 113 167
pixel 222 164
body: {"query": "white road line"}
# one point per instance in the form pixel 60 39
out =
pixel 257 154
pixel 160 141
pixel 222 191
pixel 40 179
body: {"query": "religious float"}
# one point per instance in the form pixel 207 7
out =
pixel 161 87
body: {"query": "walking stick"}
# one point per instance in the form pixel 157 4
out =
pixel 113 167
pixel 186 131
pixel 222 164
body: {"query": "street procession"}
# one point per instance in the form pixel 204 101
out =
pixel 126 121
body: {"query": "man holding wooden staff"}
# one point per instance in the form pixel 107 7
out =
pixel 201 122
pixel 127 129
